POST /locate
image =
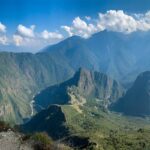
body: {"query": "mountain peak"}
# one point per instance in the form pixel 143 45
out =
pixel 144 75
pixel 84 85
pixel 136 101
pixel 83 73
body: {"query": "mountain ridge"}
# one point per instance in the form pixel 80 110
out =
pixel 84 85
pixel 23 75
pixel 136 101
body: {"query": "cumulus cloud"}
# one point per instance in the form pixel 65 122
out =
pixel 25 31
pixel 112 20
pixel 18 40
pixel 68 30
pixel 51 35
pixel 27 37
pixel 3 40
pixel 80 27
pixel 88 18
pixel 32 44
pixel 2 28
pixel 3 37
pixel 143 21
pixel 117 21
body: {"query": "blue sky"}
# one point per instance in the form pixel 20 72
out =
pixel 53 13
pixel 45 18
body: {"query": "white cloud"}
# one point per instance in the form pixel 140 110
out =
pixel 31 44
pixel 3 37
pixel 79 24
pixel 112 20
pixel 143 21
pixel 80 27
pixel 3 40
pixel 34 40
pixel 18 40
pixel 117 21
pixel 2 27
pixel 88 18
pixel 51 35
pixel 25 36
pixel 25 31
pixel 68 30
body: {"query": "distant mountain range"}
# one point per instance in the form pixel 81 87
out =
pixel 121 56
pixel 23 75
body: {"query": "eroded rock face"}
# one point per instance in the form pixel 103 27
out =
pixel 83 85
pixel 98 85
pixel 12 141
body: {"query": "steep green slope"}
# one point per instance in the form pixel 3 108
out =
pixel 81 115
pixel 22 75
pixel 97 129
pixel 84 86
pixel 51 120
pixel 137 99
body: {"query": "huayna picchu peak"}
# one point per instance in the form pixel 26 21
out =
pixel 83 86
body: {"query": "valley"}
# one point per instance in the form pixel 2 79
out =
pixel 80 92
pixel 74 75
pixel 26 74
pixel 69 120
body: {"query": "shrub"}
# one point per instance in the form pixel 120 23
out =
pixel 42 141
pixel 4 126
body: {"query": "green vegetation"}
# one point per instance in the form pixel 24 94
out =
pixel 43 142
pixel 136 101
pixel 129 140
pixel 84 85
pixel 109 130
pixel 97 128
pixel 22 75
pixel 81 117
pixel 4 126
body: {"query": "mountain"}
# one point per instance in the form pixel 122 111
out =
pixel 116 54
pixel 84 86
pixel 22 75
pixel 49 120
pixel 136 101
pixel 79 120
pixel 75 52
pixel 56 104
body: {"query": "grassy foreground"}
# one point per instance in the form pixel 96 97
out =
pixel 108 130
